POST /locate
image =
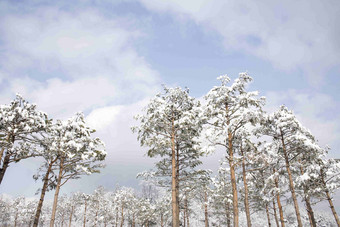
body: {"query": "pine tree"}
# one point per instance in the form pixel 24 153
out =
pixel 170 128
pixel 20 127
pixel 228 109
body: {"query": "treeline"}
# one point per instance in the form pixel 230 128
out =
pixel 270 160
pixel 271 165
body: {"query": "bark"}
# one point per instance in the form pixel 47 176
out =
pixel 328 196
pixel 268 217
pixel 42 194
pixel 70 221
pixel 246 201
pixel 279 201
pixel 275 214
pixel 174 181
pixel 162 225
pixel 291 184
pixel 85 213
pixel 232 173
pixel 206 221
pixel 56 194
pixel 310 211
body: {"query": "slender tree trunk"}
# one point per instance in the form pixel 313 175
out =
pixel 246 201
pixel 117 217
pixel 268 216
pixel 42 194
pixel 16 219
pixel 122 216
pixel 275 214
pixel 279 201
pixel 328 196
pixel 162 225
pixel 174 179
pixel 310 211
pixel 56 194
pixel 232 173
pixel 291 183
pixel 5 164
pixel 187 211
pixel 133 220
pixel 70 221
pixel 85 207
pixel 206 221
pixel 227 213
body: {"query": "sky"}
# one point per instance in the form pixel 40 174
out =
pixel 108 58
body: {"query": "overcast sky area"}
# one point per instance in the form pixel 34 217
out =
pixel 107 58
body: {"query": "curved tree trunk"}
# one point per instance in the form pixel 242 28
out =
pixel 328 196
pixel 56 194
pixel 310 211
pixel 5 164
pixel 279 201
pixel 291 183
pixel 42 195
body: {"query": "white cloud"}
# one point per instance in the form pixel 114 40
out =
pixel 72 61
pixel 292 35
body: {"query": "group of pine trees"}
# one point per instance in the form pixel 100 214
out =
pixel 269 157
pixel 271 164
pixel 66 148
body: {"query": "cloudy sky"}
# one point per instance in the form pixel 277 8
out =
pixel 107 58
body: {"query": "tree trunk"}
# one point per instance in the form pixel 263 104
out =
pixel 328 196
pixel 122 216
pixel 232 173
pixel 16 219
pixel 291 183
pixel 227 213
pixel 174 181
pixel 56 194
pixel 187 211
pixel 85 206
pixel 279 201
pixel 162 225
pixel 275 214
pixel 310 211
pixel 268 217
pixel 206 221
pixel 70 221
pixel 42 194
pixel 4 166
pixel 246 201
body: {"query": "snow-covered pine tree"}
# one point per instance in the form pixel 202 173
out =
pixel 287 131
pixel 20 126
pixel 76 151
pixel 229 108
pixel 170 129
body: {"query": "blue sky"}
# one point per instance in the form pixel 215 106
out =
pixel 107 58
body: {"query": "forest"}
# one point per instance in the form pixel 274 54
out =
pixel 273 171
